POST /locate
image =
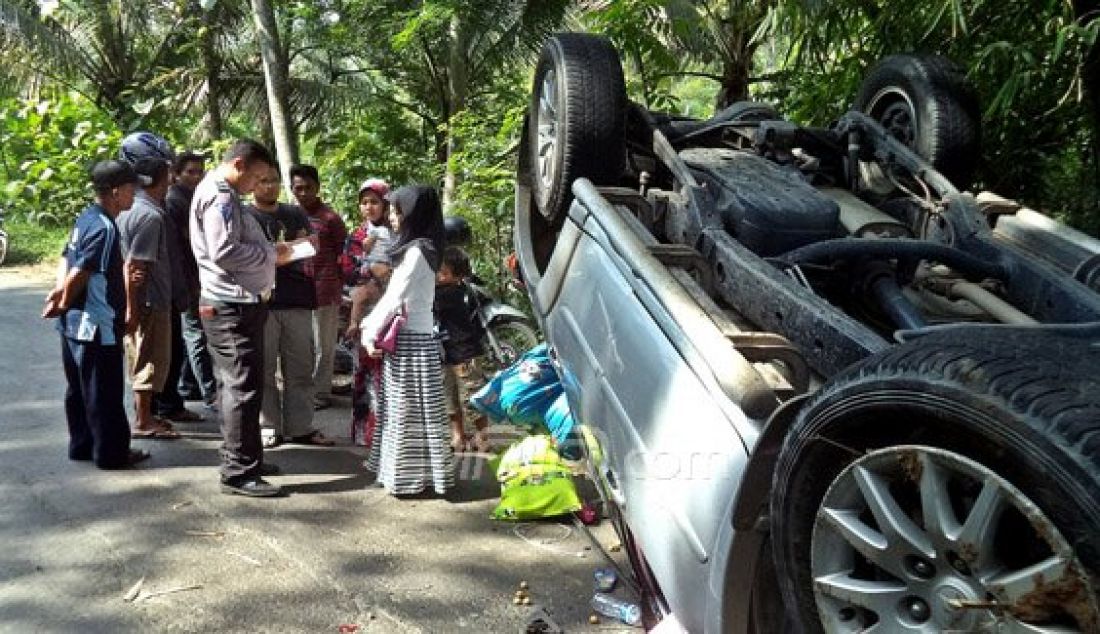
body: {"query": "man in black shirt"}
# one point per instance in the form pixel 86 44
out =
pixel 287 412
pixel 196 379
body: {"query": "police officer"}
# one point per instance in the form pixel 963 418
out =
pixel 236 273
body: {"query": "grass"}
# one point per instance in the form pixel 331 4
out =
pixel 31 243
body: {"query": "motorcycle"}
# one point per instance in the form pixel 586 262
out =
pixel 509 332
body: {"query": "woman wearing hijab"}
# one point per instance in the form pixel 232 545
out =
pixel 409 450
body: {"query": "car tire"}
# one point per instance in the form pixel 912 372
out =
pixel 1013 411
pixel 577 122
pixel 926 103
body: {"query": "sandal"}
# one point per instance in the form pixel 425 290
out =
pixel 163 431
pixel 312 438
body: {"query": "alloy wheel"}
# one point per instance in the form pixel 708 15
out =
pixel 920 539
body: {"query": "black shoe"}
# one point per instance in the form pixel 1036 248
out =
pixel 269 469
pixel 255 487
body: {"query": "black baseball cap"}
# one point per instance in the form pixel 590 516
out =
pixel 107 175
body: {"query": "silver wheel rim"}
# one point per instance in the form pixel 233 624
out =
pixel 894 111
pixel 913 539
pixel 548 147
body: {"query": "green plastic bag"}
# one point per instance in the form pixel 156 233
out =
pixel 534 483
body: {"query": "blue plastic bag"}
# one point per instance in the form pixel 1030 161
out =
pixel 559 420
pixel 523 392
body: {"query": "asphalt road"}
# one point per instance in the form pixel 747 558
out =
pixel 333 552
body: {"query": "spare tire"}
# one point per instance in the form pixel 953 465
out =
pixel 577 119
pixel 927 104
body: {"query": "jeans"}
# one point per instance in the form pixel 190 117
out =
pixel 197 373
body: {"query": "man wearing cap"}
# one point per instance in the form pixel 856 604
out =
pixel 236 273
pixel 144 233
pixel 90 303
pixel 325 269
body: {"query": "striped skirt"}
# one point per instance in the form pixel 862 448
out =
pixel 409 450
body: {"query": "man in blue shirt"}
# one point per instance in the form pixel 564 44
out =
pixel 89 301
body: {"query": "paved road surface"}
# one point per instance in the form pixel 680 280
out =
pixel 332 552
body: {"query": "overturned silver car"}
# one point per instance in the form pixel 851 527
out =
pixel 825 389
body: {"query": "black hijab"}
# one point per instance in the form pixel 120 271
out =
pixel 421 223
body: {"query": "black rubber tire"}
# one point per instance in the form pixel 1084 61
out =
pixel 944 107
pixel 591 130
pixel 1026 406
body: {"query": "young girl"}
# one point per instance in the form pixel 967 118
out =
pixel 365 265
pixel 409 451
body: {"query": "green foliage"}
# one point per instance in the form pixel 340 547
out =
pixel 486 167
pixel 46 148
pixel 390 146
pixel 1023 56
pixel 33 243
pixel 639 30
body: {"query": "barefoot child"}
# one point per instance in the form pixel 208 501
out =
pixel 462 336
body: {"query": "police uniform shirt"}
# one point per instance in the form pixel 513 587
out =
pixel 236 262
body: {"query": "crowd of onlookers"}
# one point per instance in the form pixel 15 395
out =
pixel 170 276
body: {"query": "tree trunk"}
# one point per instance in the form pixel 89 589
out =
pixel 276 81
pixel 737 65
pixel 735 83
pixel 211 67
pixel 458 79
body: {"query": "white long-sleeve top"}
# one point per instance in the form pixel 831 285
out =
pixel 412 283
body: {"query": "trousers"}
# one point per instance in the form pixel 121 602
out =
pixel 98 427
pixel 197 373
pixel 288 372
pixel 235 336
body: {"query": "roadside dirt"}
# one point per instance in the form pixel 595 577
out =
pixel 24 275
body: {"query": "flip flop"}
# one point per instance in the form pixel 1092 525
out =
pixel 313 438
pixel 163 423
pixel 159 433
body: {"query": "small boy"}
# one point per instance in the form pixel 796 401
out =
pixel 462 337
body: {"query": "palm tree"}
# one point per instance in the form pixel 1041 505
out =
pixel 447 53
pixel 107 50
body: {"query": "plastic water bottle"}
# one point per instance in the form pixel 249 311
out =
pixel 615 608
pixel 605 579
